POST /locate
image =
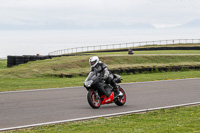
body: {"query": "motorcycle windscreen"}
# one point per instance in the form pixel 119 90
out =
pixel 91 76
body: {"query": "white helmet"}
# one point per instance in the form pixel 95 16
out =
pixel 94 61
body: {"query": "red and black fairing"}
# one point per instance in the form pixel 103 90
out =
pixel 105 100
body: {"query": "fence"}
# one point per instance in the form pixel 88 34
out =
pixel 123 45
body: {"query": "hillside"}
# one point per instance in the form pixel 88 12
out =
pixel 78 65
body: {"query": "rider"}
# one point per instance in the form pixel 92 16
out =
pixel 105 74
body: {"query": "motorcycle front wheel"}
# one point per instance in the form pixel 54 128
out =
pixel 120 101
pixel 93 102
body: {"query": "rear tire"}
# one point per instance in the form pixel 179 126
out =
pixel 120 101
pixel 93 102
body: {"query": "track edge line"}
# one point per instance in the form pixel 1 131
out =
pixel 98 116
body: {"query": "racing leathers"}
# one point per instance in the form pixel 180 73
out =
pixel 102 69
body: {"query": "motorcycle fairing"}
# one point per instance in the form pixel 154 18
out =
pixel 107 100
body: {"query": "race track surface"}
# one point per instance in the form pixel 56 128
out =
pixel 40 106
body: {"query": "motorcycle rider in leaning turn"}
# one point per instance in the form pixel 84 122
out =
pixel 105 75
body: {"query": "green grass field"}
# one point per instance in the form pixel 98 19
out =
pixel 45 73
pixel 175 120
pixel 75 65
pixel 151 52
pixel 3 63
pixel 13 84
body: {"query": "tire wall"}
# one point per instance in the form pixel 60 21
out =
pixel 17 60
pixel 11 61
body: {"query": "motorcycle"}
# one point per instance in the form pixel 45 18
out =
pixel 97 98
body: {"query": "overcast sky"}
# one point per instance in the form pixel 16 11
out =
pixel 97 13
pixel 23 23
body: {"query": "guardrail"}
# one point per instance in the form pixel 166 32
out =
pixel 123 45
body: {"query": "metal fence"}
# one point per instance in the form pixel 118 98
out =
pixel 123 45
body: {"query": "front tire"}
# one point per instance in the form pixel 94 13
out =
pixel 93 102
pixel 120 101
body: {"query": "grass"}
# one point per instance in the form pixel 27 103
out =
pixel 44 74
pixel 75 65
pixel 9 84
pixel 3 63
pixel 176 120
pixel 151 52
pixel 39 83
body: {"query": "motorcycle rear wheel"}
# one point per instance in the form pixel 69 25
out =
pixel 120 101
pixel 93 102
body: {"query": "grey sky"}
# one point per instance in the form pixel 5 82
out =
pixel 95 13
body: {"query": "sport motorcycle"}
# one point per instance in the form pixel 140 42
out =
pixel 96 98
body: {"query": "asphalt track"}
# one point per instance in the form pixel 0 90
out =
pixel 41 106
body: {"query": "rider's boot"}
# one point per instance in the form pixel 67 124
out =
pixel 118 93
